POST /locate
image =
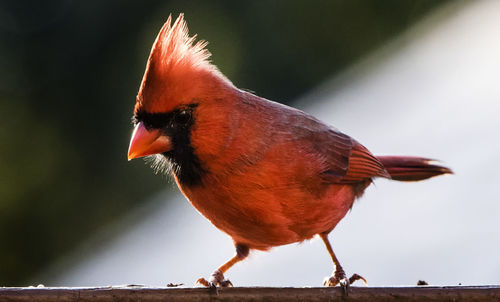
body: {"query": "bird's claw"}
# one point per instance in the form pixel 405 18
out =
pixel 334 281
pixel 356 277
pixel 339 278
pixel 216 280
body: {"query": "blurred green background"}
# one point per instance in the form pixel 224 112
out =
pixel 69 74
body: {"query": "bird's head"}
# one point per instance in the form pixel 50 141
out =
pixel 180 106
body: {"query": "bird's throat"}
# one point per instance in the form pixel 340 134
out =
pixel 186 165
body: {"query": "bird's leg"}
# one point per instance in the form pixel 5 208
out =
pixel 338 277
pixel 217 278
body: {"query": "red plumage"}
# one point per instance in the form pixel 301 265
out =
pixel 411 168
pixel 264 173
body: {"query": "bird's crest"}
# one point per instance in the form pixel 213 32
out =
pixel 173 45
pixel 175 62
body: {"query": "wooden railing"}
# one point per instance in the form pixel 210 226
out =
pixel 146 294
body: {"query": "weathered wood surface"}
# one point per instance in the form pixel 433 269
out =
pixel 145 294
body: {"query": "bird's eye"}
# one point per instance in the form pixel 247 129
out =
pixel 183 117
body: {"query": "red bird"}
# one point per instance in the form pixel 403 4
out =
pixel 264 173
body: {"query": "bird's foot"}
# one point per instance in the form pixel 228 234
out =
pixel 216 280
pixel 339 277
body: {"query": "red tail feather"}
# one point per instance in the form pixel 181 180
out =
pixel 410 168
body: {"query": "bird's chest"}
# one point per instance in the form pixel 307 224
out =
pixel 262 215
pixel 236 209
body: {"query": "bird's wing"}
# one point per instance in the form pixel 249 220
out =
pixel 363 165
pixel 347 161
pixel 337 157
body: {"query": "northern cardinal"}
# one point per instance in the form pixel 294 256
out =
pixel 264 173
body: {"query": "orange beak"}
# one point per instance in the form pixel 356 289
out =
pixel 146 142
